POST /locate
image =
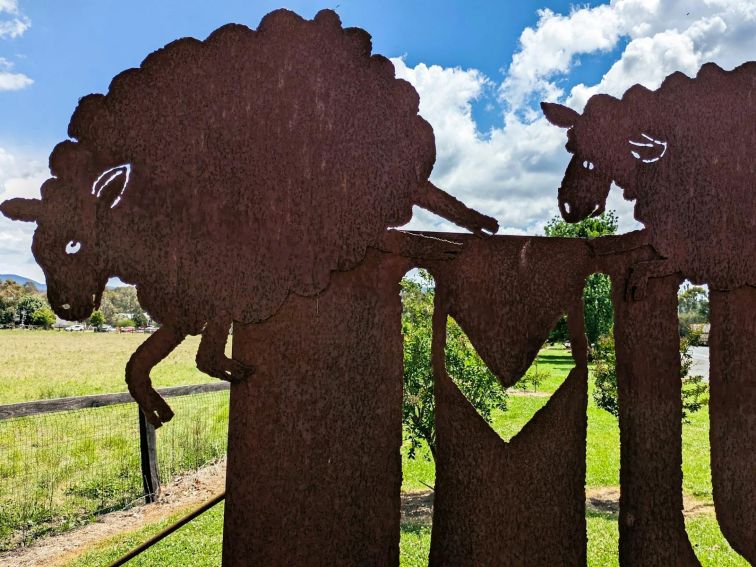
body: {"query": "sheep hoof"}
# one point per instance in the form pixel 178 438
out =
pixel 238 372
pixel 226 369
pixel 154 407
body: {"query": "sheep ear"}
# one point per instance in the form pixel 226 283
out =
pixel 111 185
pixel 559 115
pixel 27 210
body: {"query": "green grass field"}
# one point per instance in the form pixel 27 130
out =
pixel 61 469
pixel 38 365
pixel 54 364
pixel 198 544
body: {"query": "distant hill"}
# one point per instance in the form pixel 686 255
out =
pixel 21 280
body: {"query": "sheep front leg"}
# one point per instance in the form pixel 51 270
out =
pixel 619 243
pixel 157 346
pixel 441 203
pixel 417 246
pixel 211 357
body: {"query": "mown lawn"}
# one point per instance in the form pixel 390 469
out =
pixel 199 544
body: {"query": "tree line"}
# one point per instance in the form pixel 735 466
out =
pixel 25 305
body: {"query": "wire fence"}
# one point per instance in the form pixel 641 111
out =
pixel 61 469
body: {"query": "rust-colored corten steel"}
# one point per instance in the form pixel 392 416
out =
pixel 520 502
pixel 686 153
pixel 732 342
pixel 314 465
pixel 251 178
pixel 650 419
pixel 222 175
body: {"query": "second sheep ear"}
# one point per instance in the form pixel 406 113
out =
pixel 111 185
pixel 559 115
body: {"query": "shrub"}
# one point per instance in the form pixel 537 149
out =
pixel 694 389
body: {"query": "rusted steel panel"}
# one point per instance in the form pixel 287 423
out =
pixel 685 152
pixel 222 175
pixel 508 292
pixel 521 502
pixel 314 468
pixel 252 177
pixel 651 525
pixel 732 406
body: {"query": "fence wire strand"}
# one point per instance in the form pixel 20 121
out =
pixel 61 469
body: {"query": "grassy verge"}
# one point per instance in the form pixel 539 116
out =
pixel 60 470
pixel 70 466
pixel 603 470
pixel 198 544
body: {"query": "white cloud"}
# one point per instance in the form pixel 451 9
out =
pixel 504 173
pixel 513 171
pixel 13 81
pixel 551 47
pixel 662 37
pixel 20 176
pixel 13 23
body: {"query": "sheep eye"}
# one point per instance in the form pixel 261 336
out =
pixel 73 247
pixel 588 165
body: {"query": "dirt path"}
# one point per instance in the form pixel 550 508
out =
pixel 417 507
pixel 605 500
pixel 190 491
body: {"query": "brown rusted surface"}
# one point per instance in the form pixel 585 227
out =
pixel 314 469
pixel 508 292
pixel 521 502
pixel 732 342
pixel 685 152
pixel 651 524
pixel 251 178
pixel 222 175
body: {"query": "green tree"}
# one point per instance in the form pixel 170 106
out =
pixel 117 300
pixel 470 373
pixel 27 305
pixel 694 389
pixel 43 317
pixel 692 308
pixel 597 294
pixel 140 319
pixel 97 319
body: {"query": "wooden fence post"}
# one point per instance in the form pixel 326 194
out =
pixel 148 450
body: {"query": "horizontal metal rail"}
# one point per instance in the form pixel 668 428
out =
pixel 26 409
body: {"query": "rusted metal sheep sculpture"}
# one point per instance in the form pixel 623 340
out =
pixel 292 151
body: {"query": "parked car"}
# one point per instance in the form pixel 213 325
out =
pixel 76 327
pixel 105 329
pixel 127 329
pixel 150 329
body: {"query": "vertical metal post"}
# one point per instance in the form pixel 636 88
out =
pixel 148 451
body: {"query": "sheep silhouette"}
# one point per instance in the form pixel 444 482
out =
pixel 687 147
pixel 224 174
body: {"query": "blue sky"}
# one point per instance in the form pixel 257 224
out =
pixel 73 48
pixel 480 68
